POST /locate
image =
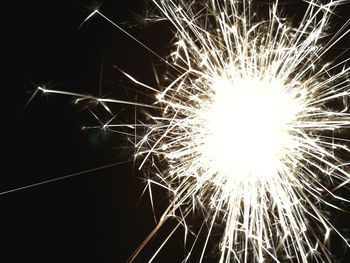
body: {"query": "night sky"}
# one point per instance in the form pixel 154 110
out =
pixel 96 216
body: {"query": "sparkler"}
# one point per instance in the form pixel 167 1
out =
pixel 247 128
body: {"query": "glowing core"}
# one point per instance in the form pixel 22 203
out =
pixel 248 128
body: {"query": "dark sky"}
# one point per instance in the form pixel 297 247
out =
pixel 93 217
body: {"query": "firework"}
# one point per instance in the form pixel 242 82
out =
pixel 247 128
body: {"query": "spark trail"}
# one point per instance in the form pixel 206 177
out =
pixel 248 128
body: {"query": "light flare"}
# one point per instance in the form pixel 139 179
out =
pixel 246 129
pixel 243 130
pixel 248 120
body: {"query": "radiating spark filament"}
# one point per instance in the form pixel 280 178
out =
pixel 242 129
pixel 247 128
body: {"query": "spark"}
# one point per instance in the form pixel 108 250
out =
pixel 240 131
pixel 247 131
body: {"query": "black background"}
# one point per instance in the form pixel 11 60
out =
pixel 93 217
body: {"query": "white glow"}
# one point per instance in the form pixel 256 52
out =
pixel 247 128
pixel 237 131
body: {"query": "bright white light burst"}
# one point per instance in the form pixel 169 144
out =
pixel 241 126
pixel 249 125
